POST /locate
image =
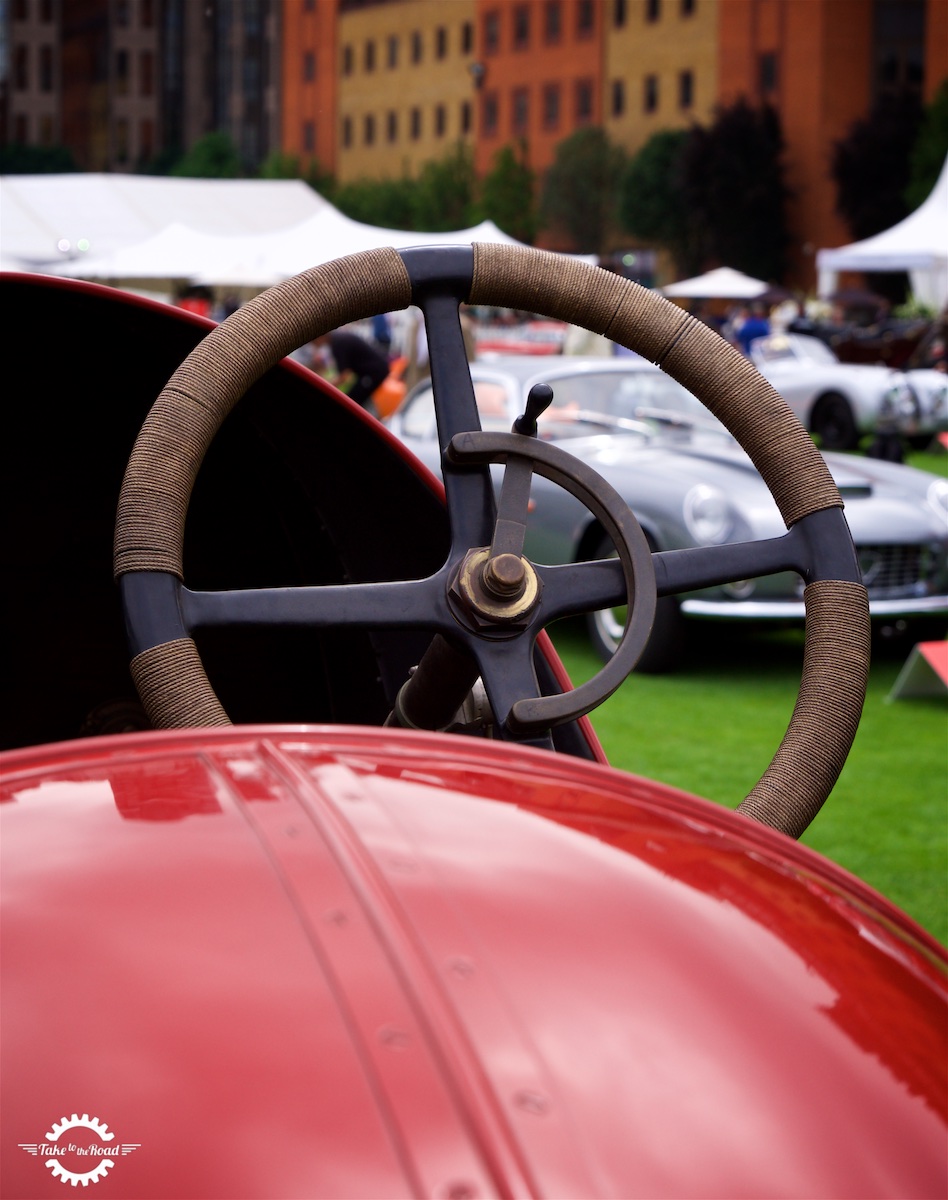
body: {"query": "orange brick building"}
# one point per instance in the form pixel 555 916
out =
pixel 308 121
pixel 539 75
pixel 822 64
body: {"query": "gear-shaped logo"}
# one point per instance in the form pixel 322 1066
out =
pixel 99 1150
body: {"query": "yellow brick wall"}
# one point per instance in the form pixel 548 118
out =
pixel 386 92
pixel 676 41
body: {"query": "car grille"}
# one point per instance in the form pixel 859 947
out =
pixel 897 570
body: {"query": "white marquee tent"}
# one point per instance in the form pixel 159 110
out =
pixel 918 244
pixel 160 232
pixel 179 252
pixel 723 283
pixel 50 220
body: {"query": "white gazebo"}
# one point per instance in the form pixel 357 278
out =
pixel 918 244
pixel 723 283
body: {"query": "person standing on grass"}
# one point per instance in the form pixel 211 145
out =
pixel 360 367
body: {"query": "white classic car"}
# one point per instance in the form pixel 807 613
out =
pixel 839 402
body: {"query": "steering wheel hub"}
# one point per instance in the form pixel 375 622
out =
pixel 488 592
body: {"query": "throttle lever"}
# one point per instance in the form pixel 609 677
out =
pixel 539 399
pixel 510 525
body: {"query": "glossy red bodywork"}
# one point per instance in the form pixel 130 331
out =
pixel 360 962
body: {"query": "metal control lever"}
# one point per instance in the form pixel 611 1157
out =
pixel 539 399
pixel 506 547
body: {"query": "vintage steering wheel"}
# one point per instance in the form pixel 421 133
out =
pixel 488 603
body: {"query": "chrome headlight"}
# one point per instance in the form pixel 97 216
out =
pixel 708 515
pixel 900 401
pixel 938 496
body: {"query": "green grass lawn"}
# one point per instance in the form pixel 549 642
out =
pixel 712 728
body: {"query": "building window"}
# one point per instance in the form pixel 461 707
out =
pixel 121 140
pixel 441 42
pixel 21 129
pixel 767 73
pixel 368 130
pixel 121 13
pixel 551 105
pixel 46 11
pixel 146 73
pixel 368 56
pixel 467 37
pixel 121 73
pixel 491 32
pixel 391 52
pixel 309 137
pixel 521 24
pixel 147 13
pixel 391 126
pixel 21 68
pixel 347 131
pixel 686 89
pixel 583 101
pixel 465 116
pixel 687 8
pixel 552 22
pixel 46 69
pixel 347 60
pixel 650 100
pixel 440 120
pixel 585 18
pixel 309 66
pixel 416 47
pixel 489 115
pixel 146 142
pixel 520 114
pixel 415 125
pixel 619 13
pixel 46 129
pixel 618 97
pixel 653 10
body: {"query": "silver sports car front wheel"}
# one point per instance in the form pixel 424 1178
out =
pixel 663 651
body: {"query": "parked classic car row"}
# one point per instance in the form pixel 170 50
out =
pixel 689 484
pixel 840 402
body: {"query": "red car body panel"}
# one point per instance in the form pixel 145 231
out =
pixel 358 962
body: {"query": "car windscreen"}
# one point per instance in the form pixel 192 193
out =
pixel 796 348
pixel 417 417
pixel 637 395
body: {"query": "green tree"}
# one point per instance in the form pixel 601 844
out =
pixel 870 165
pixel 929 151
pixel 161 163
pixel 507 194
pixel 389 203
pixel 580 192
pixel 19 159
pixel 446 192
pixel 733 190
pixel 651 206
pixel 278 165
pixel 213 156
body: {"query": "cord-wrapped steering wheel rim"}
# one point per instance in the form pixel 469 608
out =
pixel 193 405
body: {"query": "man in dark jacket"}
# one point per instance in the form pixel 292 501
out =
pixel 361 367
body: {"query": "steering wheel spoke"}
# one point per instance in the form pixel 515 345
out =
pixel 396 605
pixel 509 676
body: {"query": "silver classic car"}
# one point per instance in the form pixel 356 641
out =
pixel 690 484
pixel 839 402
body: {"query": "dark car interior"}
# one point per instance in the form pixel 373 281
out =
pixel 297 489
